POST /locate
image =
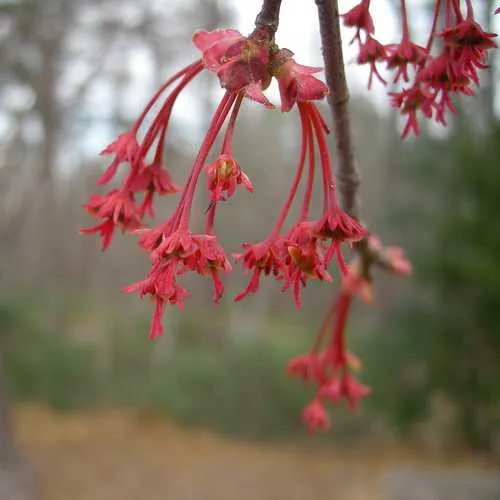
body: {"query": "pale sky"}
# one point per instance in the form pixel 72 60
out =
pixel 298 31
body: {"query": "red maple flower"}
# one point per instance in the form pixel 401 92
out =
pixel 296 83
pixel 331 391
pixel 175 243
pixel 264 257
pixel 353 391
pixel 443 81
pixel 371 52
pixel 117 208
pixel 400 55
pixel 152 179
pixel 329 369
pixel 224 175
pixel 468 34
pixel 411 101
pixel 239 62
pixel 161 285
pixel 208 259
pixel 315 417
pixel 339 226
pixel 304 259
pixel 359 17
pixel 125 149
pixel 305 366
pixel 396 260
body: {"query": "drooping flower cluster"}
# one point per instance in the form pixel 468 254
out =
pixel 245 67
pixel 328 365
pixel 306 248
pixel 447 66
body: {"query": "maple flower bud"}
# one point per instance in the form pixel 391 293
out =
pixel 296 83
pixel 224 175
pixel 315 417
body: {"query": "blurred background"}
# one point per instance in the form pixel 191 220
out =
pixel 91 409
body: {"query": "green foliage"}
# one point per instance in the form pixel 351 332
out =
pixel 446 338
pixel 43 365
pixel 239 388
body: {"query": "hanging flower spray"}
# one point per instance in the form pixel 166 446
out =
pixel 447 65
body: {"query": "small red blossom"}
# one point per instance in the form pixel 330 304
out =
pixel 315 417
pixel 395 258
pixel 106 230
pixel 304 259
pixel 178 243
pixel 125 149
pixel 359 17
pixel 161 285
pixel 398 263
pixel 117 205
pixel 153 179
pixel 208 259
pixel 332 391
pixel 117 208
pixel 215 44
pixel 238 61
pixel 353 391
pixel 264 257
pixel 339 226
pixel 411 101
pixel 305 366
pixel 399 56
pixel 371 52
pixel 223 176
pixel 356 285
pixel 443 81
pixel 468 33
pixel 296 82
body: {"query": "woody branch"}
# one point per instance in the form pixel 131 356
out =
pixel 348 176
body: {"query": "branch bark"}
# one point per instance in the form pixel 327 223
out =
pixel 348 176
pixel 269 16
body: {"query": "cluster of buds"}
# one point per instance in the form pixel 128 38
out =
pixel 245 67
pixel 306 247
pixel 448 64
pixel 328 365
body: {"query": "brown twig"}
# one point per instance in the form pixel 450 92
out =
pixel 269 16
pixel 348 176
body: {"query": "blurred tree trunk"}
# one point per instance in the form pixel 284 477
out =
pixel 488 77
pixel 6 444
pixel 48 108
pixel 17 479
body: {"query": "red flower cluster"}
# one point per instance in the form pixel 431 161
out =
pixel 437 75
pixel 307 249
pixel 245 67
pixel 328 365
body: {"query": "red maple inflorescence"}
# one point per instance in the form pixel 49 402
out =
pixel 446 66
pixel 328 365
pixel 245 67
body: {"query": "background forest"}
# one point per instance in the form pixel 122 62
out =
pixel 74 74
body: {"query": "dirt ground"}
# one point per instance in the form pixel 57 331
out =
pixel 123 456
